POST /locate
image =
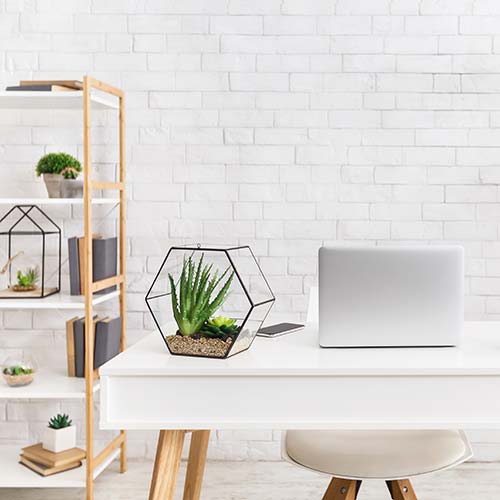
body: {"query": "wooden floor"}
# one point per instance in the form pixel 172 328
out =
pixel 274 481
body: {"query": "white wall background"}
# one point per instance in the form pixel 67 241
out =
pixel 284 124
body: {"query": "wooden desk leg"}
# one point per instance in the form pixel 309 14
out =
pixel 168 459
pixel 196 465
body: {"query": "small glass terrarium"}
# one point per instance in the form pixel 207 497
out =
pixel 209 301
pixel 19 371
pixel 30 254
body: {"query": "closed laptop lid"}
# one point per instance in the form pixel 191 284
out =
pixel 391 296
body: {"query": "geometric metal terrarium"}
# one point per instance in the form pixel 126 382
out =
pixel 180 291
pixel 30 254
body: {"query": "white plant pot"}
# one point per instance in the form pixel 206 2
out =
pixel 57 440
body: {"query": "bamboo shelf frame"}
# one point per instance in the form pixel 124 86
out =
pixel 93 461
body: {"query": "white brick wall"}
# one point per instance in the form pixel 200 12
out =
pixel 280 123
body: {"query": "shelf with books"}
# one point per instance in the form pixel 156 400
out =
pixel 48 383
pixel 15 475
pixel 52 383
pixel 61 301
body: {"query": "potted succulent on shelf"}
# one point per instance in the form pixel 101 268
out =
pixel 193 306
pixel 71 186
pixel 51 167
pixel 18 375
pixel 27 281
pixel 60 435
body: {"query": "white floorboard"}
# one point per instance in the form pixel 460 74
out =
pixel 273 481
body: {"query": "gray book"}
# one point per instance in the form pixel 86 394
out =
pixel 108 333
pixel 105 254
pixel 74 266
pixel 79 336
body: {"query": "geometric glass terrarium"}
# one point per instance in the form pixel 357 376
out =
pixel 30 254
pixel 209 301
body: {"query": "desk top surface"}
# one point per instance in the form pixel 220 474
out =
pixel 299 354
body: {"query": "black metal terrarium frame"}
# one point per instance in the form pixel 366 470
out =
pixel 252 304
pixel 39 231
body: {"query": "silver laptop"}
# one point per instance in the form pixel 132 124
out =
pixel 391 296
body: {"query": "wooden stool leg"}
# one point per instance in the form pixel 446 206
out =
pixel 196 465
pixel 168 459
pixel 401 490
pixel 342 489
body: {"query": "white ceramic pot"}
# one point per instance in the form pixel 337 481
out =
pixel 57 440
pixel 53 184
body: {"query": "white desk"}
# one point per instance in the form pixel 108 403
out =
pixel 289 382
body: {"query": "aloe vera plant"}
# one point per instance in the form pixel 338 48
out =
pixel 192 304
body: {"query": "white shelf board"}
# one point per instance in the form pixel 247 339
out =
pixel 53 100
pixel 56 301
pixel 48 384
pixel 56 201
pixel 15 475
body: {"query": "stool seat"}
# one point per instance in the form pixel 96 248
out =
pixel 387 455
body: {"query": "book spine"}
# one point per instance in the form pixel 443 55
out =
pixel 105 259
pixel 74 267
pixel 79 334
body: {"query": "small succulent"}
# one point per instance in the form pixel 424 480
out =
pixel 193 304
pixel 17 370
pixel 55 163
pixel 70 173
pixel 220 326
pixel 29 278
pixel 60 421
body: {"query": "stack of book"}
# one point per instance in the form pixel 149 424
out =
pixel 107 335
pixel 47 85
pixel 46 463
pixel 104 262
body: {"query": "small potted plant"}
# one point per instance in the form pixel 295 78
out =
pixel 19 372
pixel 71 186
pixel 60 435
pixel 51 167
pixel 27 281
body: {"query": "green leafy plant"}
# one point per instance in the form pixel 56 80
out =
pixel 192 305
pixel 220 326
pixel 55 163
pixel 60 421
pixel 29 278
pixel 17 370
pixel 70 173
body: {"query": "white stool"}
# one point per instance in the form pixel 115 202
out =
pixel 393 456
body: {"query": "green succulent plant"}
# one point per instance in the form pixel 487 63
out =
pixel 29 278
pixel 60 421
pixel 17 370
pixel 55 163
pixel 192 303
pixel 220 326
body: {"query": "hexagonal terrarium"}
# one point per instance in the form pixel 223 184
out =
pixel 209 301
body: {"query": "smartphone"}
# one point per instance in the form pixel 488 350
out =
pixel 279 329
